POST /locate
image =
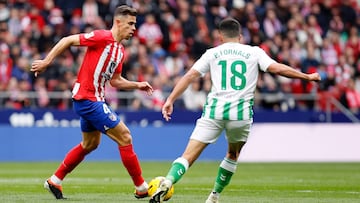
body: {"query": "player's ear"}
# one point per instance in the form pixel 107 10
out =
pixel 221 36
pixel 117 21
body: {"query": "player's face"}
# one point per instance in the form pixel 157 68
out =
pixel 126 26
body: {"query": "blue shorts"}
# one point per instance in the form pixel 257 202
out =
pixel 95 115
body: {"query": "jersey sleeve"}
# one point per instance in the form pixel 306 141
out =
pixel 264 60
pixel 202 65
pixel 94 38
pixel 119 68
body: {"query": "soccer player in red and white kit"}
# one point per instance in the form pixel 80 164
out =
pixel 102 63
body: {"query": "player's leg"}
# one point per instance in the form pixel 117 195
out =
pixel 104 119
pixel 225 171
pixel 178 168
pixel 236 134
pixel 205 132
pixel 72 159
pixel 121 135
pixel 89 113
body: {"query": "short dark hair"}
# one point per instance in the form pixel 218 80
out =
pixel 230 27
pixel 124 10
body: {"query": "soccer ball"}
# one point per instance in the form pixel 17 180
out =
pixel 155 183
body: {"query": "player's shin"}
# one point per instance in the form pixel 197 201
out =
pixel 177 170
pixel 131 163
pixel 71 160
pixel 226 169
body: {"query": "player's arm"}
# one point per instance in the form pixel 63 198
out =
pixel 39 66
pixel 119 82
pixel 178 90
pixel 287 71
pixel 183 84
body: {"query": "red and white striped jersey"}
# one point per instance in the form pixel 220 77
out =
pixel 104 57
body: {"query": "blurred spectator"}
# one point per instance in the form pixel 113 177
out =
pixel 46 39
pixel 41 91
pixel 19 96
pixel 328 53
pixel 149 32
pixel 14 22
pixel 158 60
pixel 194 98
pixel 90 12
pixel 311 59
pixel 336 24
pixel 352 97
pixel 268 86
pixel 176 36
pixel 36 18
pixel 175 62
pixel 154 101
pixel 353 42
pixel 21 69
pixel 6 66
pixel 272 24
pixel 343 72
pixel 4 11
pixel 56 17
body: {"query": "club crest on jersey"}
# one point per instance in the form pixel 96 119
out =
pixel 112 117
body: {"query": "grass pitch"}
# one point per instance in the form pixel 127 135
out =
pixel 253 182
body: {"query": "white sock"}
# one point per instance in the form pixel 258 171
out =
pixel 142 187
pixel 168 183
pixel 55 180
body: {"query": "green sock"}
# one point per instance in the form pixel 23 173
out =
pixel 177 170
pixel 225 172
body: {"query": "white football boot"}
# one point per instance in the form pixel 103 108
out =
pixel 213 198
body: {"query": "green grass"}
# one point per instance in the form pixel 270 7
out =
pixel 253 182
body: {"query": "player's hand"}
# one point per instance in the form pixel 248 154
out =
pixel 38 66
pixel 167 110
pixel 314 77
pixel 145 86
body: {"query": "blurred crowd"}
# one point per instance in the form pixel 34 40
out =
pixel 309 35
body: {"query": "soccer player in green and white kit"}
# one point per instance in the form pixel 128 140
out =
pixel 234 69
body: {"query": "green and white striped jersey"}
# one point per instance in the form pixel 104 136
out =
pixel 234 70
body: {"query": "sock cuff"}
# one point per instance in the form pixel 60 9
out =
pixel 230 161
pixel 229 165
pixel 55 180
pixel 126 148
pixel 183 162
pixel 80 146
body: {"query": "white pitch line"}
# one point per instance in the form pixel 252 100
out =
pixel 299 191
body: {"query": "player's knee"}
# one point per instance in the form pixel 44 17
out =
pixel 90 146
pixel 126 139
pixel 232 155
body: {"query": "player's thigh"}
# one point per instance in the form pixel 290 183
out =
pixel 207 130
pixel 120 134
pixel 238 131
